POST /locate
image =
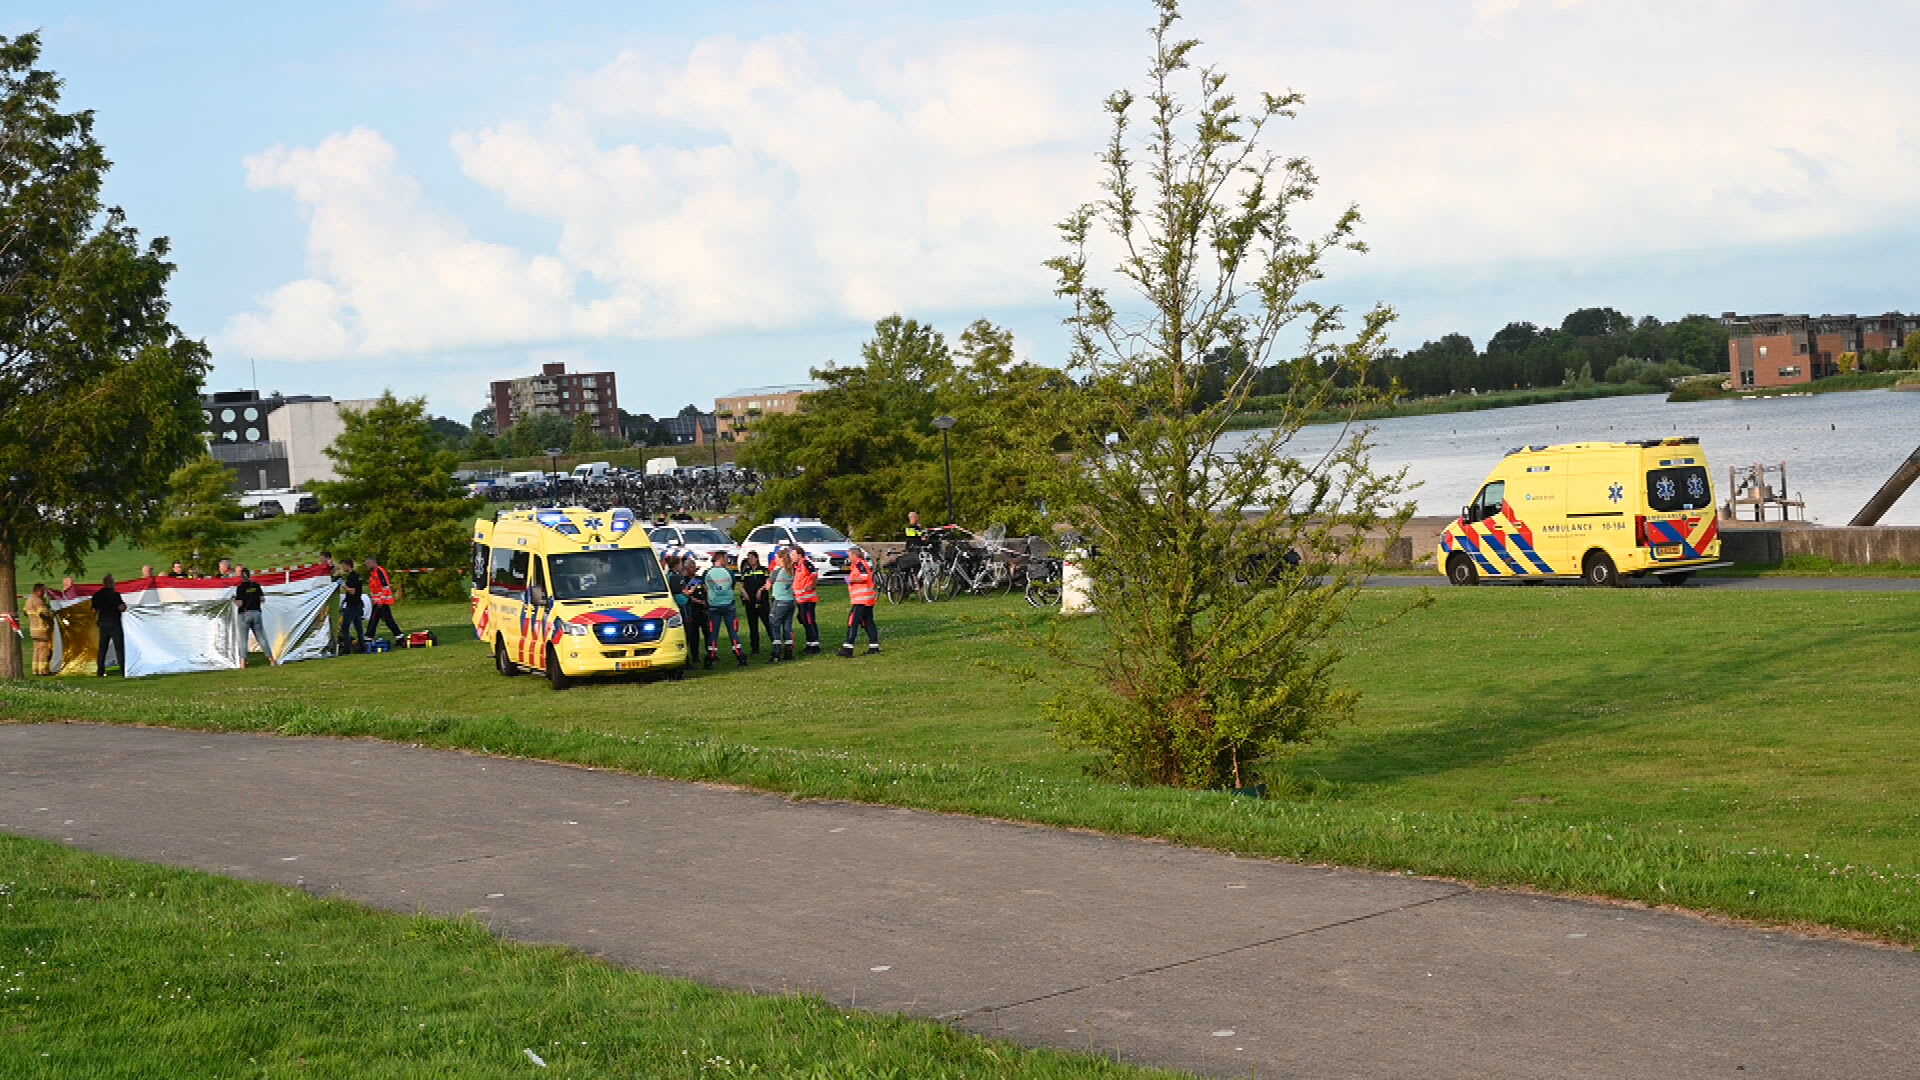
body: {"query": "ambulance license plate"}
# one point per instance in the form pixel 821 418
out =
pixel 631 665
pixel 1666 551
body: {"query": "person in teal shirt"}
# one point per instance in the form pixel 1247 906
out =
pixel 780 616
pixel 721 611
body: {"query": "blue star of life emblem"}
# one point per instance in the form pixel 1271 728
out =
pixel 1666 488
pixel 1616 493
pixel 593 523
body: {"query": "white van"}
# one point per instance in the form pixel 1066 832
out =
pixel 592 472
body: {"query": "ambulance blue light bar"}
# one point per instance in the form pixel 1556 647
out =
pixel 558 521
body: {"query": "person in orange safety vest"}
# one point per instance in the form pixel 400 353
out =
pixel 806 598
pixel 860 593
pixel 380 591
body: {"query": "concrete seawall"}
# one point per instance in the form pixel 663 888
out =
pixel 1847 545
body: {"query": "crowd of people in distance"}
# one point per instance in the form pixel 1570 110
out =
pixel 774 598
pixel 708 491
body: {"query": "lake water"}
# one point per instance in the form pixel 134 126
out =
pixel 1838 448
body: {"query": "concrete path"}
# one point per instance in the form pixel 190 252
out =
pixel 1156 953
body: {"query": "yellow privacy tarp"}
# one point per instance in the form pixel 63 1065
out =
pixel 75 638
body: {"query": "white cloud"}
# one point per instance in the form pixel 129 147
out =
pixel 390 275
pixel 765 183
pixel 779 182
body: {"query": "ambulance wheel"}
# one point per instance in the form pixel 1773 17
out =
pixel 500 662
pixel 1600 571
pixel 1460 570
pixel 676 674
pixel 1676 579
pixel 556 677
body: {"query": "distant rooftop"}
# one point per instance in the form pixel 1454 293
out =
pixel 770 391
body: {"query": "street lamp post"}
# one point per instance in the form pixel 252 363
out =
pixel 945 424
pixel 553 465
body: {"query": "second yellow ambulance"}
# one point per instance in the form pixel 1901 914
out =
pixel 1601 512
pixel 572 592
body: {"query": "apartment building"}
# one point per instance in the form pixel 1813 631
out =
pixel 565 395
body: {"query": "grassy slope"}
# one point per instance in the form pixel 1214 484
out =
pixel 1756 754
pixel 117 969
pixel 263 544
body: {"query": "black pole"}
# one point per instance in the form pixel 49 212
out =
pixel 947 457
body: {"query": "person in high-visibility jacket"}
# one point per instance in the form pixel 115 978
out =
pixel 380 591
pixel 806 598
pixel 860 594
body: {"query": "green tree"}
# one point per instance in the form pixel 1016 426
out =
pixel 199 525
pixel 533 436
pixel 856 444
pixel 99 392
pixel 1213 664
pixel 1910 351
pixel 396 498
pixel 585 438
pixel 482 448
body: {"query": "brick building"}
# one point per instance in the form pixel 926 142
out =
pixel 737 411
pixel 1779 350
pixel 554 391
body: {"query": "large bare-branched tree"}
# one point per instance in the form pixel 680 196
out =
pixel 1219 653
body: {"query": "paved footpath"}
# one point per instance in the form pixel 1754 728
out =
pixel 1158 954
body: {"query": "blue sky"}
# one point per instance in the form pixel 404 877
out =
pixel 424 195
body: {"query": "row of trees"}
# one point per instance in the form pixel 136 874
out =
pixel 865 450
pixel 1604 344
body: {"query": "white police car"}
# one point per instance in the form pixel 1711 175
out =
pixel 695 538
pixel 825 546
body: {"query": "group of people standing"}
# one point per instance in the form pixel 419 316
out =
pixel 355 620
pixel 110 607
pixel 775 597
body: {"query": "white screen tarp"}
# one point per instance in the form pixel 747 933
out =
pixel 172 637
pixel 295 615
pixel 177 625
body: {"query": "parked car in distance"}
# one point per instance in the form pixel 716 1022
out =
pixel 700 539
pixel 825 546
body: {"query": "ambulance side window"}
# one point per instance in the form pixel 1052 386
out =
pixel 509 572
pixel 482 565
pixel 1491 498
pixel 539 581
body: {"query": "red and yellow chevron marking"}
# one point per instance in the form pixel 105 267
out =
pixel 1694 533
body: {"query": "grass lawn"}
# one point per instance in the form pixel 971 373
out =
pixel 1749 753
pixel 119 969
pixel 263 544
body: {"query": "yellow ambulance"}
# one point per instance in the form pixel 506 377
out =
pixel 1601 512
pixel 573 592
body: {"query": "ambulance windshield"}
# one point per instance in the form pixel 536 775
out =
pixel 590 574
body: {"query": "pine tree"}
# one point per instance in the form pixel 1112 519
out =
pixel 396 498
pixel 200 523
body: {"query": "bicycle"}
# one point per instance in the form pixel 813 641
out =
pixel 1045 576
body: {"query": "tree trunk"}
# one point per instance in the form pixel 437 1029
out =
pixel 10 654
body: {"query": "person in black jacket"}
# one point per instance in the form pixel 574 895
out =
pixel 108 606
pixel 756 597
pixel 353 611
pixel 249 597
